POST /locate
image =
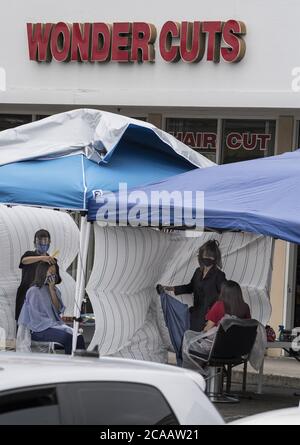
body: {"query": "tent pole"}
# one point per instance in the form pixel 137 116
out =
pixel 85 229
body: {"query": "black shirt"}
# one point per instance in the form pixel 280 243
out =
pixel 28 274
pixel 206 292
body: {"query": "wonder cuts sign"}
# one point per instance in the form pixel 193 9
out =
pixel 137 41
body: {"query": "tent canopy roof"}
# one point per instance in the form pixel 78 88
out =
pixel 59 161
pixel 260 196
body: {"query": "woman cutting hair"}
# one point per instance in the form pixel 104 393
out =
pixel 205 283
pixel 28 265
pixel 42 308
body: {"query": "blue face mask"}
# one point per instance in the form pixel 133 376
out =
pixel 42 248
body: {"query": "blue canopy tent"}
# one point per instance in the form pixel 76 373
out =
pixel 260 196
pixel 65 178
pixel 62 161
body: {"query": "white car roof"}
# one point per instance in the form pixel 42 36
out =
pixel 182 388
pixel 47 368
pixel 285 416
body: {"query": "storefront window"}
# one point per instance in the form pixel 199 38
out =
pixel 199 134
pixel 13 120
pixel 38 117
pixel 144 119
pixel 247 139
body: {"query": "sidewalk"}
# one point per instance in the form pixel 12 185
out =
pixel 281 388
pixel 280 372
pixel 251 403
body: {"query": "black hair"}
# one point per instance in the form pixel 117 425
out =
pixel 232 297
pixel 41 274
pixel 211 249
pixel 42 233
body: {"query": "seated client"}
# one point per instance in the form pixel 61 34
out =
pixel 43 307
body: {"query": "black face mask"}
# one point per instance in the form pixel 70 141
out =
pixel 207 261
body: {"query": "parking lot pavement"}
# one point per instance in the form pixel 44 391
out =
pixel 271 399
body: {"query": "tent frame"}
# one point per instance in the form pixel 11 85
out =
pixel 85 230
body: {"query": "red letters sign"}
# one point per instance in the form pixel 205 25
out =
pixel 199 140
pixel 248 141
pixel 134 42
pixel 234 140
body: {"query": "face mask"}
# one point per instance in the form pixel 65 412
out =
pixel 42 248
pixel 51 279
pixel 207 262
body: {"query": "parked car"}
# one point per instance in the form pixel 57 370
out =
pixel 55 389
pixel 286 416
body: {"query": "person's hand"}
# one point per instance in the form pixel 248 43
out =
pixel 48 259
pixel 170 288
pixel 160 288
pixel 51 280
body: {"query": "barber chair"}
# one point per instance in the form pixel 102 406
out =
pixel 231 347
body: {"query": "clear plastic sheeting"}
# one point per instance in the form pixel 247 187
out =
pixel 200 342
pixel 17 227
pixel 129 262
pixel 23 341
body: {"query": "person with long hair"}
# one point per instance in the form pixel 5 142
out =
pixel 231 302
pixel 205 283
pixel 229 305
pixel 42 309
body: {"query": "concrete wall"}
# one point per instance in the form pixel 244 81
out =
pixel 262 78
pixel 285 134
pixel 278 290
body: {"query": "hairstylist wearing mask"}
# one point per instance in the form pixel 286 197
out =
pixel 205 284
pixel 28 264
